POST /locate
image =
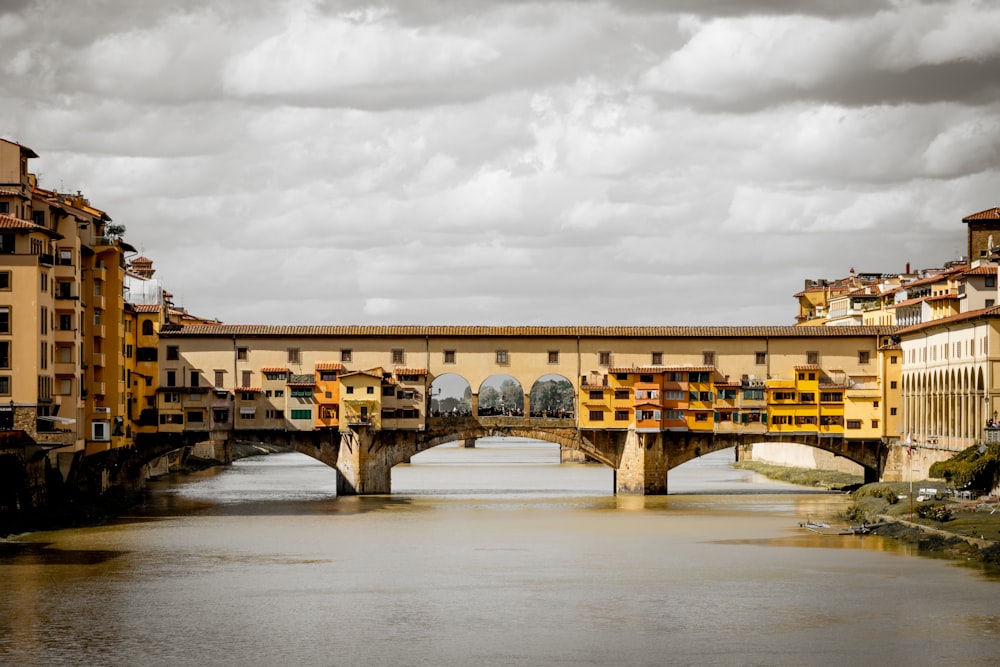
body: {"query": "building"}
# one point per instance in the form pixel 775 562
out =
pixel 62 366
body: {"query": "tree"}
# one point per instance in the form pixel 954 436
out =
pixel 113 231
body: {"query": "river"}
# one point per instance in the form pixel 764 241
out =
pixel 496 555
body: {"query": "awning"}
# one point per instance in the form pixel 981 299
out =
pixel 61 420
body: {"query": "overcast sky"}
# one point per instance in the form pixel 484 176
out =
pixel 630 162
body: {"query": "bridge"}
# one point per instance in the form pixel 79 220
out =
pixel 643 399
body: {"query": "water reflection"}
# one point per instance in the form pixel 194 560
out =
pixel 488 557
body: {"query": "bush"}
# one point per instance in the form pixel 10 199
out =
pixel 933 511
pixel 883 491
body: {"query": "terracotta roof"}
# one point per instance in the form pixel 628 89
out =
pixel 940 297
pixel 984 313
pixel 329 366
pixel 17 192
pixel 988 214
pixel 659 369
pixel 146 307
pixel 981 270
pixel 808 367
pixel 411 371
pixel 10 222
pixel 255 390
pixel 401 331
pixel 274 369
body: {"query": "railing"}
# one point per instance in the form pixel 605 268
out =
pixel 47 259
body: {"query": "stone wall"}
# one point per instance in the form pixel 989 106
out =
pixel 803 456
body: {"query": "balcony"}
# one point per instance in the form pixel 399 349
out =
pixel 97 388
pixel 65 368
pixel 47 259
pixel 64 271
pixel 97 359
pixel 97 330
pixel 97 301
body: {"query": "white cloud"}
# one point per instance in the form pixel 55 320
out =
pixel 315 55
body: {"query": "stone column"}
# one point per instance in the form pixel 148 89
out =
pixel 363 465
pixel 643 466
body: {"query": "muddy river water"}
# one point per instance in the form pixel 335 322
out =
pixel 496 555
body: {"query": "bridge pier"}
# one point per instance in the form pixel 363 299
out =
pixel 643 467
pixel 363 465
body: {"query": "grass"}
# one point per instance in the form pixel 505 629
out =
pixel 813 478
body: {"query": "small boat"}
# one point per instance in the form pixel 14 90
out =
pixel 823 528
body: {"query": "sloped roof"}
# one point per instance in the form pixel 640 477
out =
pixel 988 214
pixel 417 331
pixel 17 224
pixel 983 313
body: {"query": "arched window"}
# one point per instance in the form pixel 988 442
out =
pixel 147 327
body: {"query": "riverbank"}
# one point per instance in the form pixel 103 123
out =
pixel 74 510
pixel 935 523
pixel 832 480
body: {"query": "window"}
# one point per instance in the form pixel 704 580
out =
pixel 892 411
pixel 302 414
pixel 701 417
pixel 397 356
pixel 760 358
pixel 784 396
pixel 350 390
pixel 5 280
pixel 274 376
pixel 173 353
pixel 656 359
pixel 171 378
pixel 220 415
pixel 248 413
pixel 990 303
pixel 621 415
pixel 279 393
pixel 242 354
pixel 674 415
pixel 874 423
pixel 345 355
pixel 991 281
pixel 708 358
pixel 893 359
pixel 596 415
pixel 854 424
pixel 449 356
pixel 892 385
pixel 553 356
pixel 863 356
pixel 502 358
pixel 246 378
pixel 370 390
pixel 812 358
pixel 194 378
pixel 620 394
pixel 4 207
pixel 807 397
pixel 831 397
pixel 596 394
pixel 147 327
pixel 4 385
pixel 604 358
pixel 220 378
pixel 65 257
pixel 4 319
pixel 195 417
pixel 646 378
pixel 171 419
pixel 389 390
pixel 301 392
pixel 293 355
pixel 753 394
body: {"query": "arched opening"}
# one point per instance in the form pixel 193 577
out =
pixel 552 396
pixel 450 396
pixel 501 396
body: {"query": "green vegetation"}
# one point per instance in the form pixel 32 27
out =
pixel 974 467
pixel 825 479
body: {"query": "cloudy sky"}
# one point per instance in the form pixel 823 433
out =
pixel 548 163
